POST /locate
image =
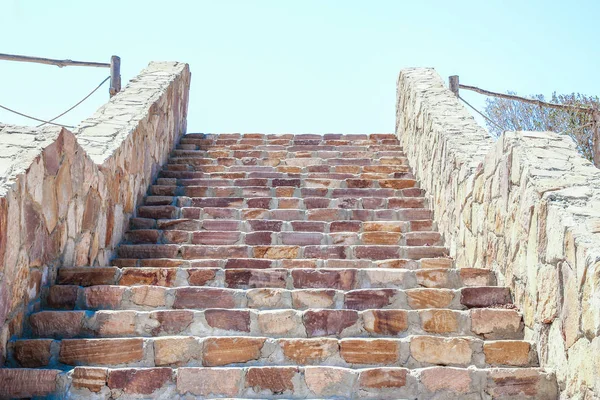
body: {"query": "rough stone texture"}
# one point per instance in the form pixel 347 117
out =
pixel 65 198
pixel 527 207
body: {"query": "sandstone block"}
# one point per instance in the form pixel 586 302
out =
pixel 369 351
pixel 224 350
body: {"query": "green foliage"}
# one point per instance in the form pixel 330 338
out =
pixel 513 115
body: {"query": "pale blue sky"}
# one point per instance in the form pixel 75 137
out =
pixel 279 66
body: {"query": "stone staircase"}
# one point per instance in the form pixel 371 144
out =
pixel 279 266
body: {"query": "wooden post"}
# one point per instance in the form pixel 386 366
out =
pixel 596 137
pixel 453 83
pixel 115 75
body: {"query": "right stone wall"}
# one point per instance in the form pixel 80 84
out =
pixel 526 206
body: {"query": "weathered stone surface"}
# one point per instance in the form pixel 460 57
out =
pixel 209 381
pixel 496 323
pixel 429 298
pixel 328 322
pixel 438 350
pixel 329 381
pixel 277 380
pixel 57 324
pixel 308 351
pixel 380 378
pixel 385 322
pixel 139 381
pixel 150 296
pixel 439 321
pixel 100 351
pixel 223 350
pixel 232 320
pixel 93 379
pixel 32 353
pixel 454 380
pixel 115 323
pixel 176 350
pixel 19 383
pixel 172 321
pixel 507 352
pixel 371 351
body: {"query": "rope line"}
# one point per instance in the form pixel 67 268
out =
pixel 34 118
pixel 482 114
pixel 81 101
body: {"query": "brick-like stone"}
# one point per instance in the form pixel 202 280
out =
pixel 99 297
pixel 507 352
pixel 224 350
pixel 101 351
pixel 25 383
pixel 277 380
pixel 385 322
pixel 369 351
pixel 230 320
pixel 429 298
pixel 313 298
pixel 176 350
pixel 209 381
pixel 315 279
pixel 330 381
pixel 93 379
pixel 473 297
pixel 496 323
pixel 369 298
pixel 57 324
pixel 32 353
pixel 382 378
pixel 439 350
pixel 171 321
pixel 138 380
pixel 309 351
pixel 199 298
pixel 439 321
pixel 454 380
pixel 328 322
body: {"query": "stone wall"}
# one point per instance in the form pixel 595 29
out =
pixel 66 198
pixel 526 206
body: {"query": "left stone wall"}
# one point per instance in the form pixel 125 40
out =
pixel 66 197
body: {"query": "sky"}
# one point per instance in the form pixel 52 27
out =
pixel 310 66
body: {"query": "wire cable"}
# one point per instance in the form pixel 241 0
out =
pixel 483 115
pixel 81 101
pixel 34 118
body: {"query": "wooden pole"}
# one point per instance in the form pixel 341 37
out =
pixel 50 61
pixel 115 75
pixel 596 138
pixel 454 85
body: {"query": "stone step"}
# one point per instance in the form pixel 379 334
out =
pixel 156 297
pixel 281 191
pixel 293 382
pixel 149 236
pixel 184 174
pixel 273 225
pixel 319 151
pixel 485 323
pixel 231 263
pixel 252 273
pixel 299 170
pixel 193 252
pixel 352 183
pixel 412 351
pixel 291 162
pixel 370 203
pixel 291 214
